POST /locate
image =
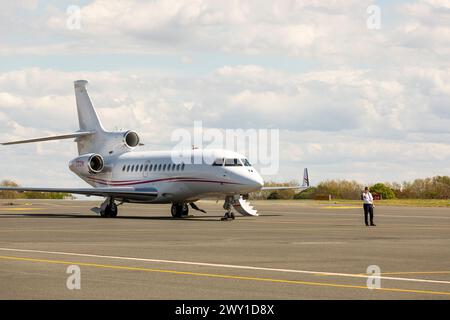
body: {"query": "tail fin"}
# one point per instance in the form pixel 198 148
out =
pixel 87 116
pixel 90 125
pixel 305 178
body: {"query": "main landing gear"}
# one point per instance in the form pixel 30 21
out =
pixel 229 215
pixel 108 209
pixel 179 210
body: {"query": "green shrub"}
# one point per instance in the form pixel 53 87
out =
pixel 382 189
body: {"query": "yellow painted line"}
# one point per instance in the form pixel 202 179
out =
pixel 393 273
pixel 303 223
pixel 341 207
pixel 20 209
pixel 222 276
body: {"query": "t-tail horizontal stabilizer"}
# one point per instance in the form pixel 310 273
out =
pixel 58 137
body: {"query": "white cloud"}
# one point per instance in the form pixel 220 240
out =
pixel 344 116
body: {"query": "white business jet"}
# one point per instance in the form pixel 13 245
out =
pixel 109 163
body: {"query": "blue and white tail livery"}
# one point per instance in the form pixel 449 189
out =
pixel 111 165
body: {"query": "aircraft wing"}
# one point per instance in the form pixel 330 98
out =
pixel 141 193
pixel 59 137
pixel 303 187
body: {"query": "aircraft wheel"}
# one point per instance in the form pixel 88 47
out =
pixel 179 210
pixel 110 211
pixel 184 210
pixel 175 210
pixel 113 210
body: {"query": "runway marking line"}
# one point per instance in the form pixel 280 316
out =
pixel 223 276
pixel 20 209
pixel 416 272
pixel 340 207
pixel 397 273
pixel 229 266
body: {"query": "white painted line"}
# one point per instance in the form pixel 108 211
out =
pixel 229 266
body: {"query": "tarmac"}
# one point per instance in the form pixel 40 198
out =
pixel 293 250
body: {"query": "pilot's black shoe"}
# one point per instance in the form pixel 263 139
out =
pixel 373 224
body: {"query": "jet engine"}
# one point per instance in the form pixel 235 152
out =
pixel 117 142
pixel 108 143
pixel 87 164
pixel 131 139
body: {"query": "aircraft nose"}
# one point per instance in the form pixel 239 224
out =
pixel 255 181
pixel 259 181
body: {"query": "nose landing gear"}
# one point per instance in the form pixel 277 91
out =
pixel 108 209
pixel 229 215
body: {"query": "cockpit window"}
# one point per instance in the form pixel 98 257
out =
pixel 218 162
pixel 246 162
pixel 232 163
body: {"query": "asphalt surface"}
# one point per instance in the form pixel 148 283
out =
pixel 291 251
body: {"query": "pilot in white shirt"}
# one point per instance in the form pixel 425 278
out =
pixel 368 207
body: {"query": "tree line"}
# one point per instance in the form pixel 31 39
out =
pixel 437 187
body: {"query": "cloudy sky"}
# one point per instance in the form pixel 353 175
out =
pixel 352 99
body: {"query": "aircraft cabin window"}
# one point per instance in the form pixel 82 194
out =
pixel 132 168
pixel 146 167
pixel 182 167
pixel 173 167
pixel 142 167
pixel 178 167
pixel 124 167
pixel 232 163
pixel 128 168
pixel 164 167
pixel 150 167
pixel 218 162
pixel 159 167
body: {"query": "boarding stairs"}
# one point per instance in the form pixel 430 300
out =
pixel 243 206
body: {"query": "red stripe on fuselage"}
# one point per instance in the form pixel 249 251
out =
pixel 132 181
pixel 173 179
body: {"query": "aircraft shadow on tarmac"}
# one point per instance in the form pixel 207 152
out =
pixel 75 215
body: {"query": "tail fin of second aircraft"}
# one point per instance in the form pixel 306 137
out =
pixel 305 178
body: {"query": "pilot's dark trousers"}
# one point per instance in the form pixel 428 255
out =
pixel 368 211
